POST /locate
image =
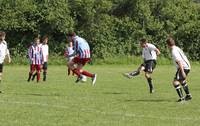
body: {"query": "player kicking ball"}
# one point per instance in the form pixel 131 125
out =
pixel 81 57
pixel 149 54
pixel 69 51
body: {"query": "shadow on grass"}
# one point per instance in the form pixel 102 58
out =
pixel 115 93
pixel 38 94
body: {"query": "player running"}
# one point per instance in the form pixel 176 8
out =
pixel 149 54
pixel 183 68
pixel 82 56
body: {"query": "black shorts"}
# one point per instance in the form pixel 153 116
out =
pixel 44 67
pixel 1 67
pixel 179 76
pixel 149 65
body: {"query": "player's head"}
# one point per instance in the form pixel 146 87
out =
pixel 45 39
pixel 143 42
pixel 170 42
pixel 70 36
pixel 2 35
pixel 37 40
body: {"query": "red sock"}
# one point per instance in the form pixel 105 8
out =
pixel 38 77
pixel 87 74
pixel 77 72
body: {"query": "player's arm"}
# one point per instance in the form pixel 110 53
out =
pixel 73 54
pixel 8 55
pixel 47 56
pixel 41 56
pixel 153 47
pixel 157 51
pixel 75 50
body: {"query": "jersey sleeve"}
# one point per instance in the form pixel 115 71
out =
pixel 30 52
pixel 152 47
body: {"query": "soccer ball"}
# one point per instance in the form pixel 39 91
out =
pixel 84 78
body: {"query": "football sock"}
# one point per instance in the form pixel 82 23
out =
pixel 44 75
pixel 179 91
pixel 150 83
pixel 30 74
pixel 77 72
pixel 34 76
pixel 87 74
pixel 38 76
pixel 185 87
pixel 68 71
pixel 135 73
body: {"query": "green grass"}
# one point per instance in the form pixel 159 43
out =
pixel 114 101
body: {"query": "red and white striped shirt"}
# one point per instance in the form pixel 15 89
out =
pixel 81 47
pixel 35 54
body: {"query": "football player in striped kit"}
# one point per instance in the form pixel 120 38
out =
pixel 4 53
pixel 149 54
pixel 82 56
pixel 35 57
pixel 183 68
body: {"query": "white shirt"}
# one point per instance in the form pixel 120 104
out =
pixel 45 52
pixel 3 51
pixel 149 52
pixel 178 55
pixel 70 51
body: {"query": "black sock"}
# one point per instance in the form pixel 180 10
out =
pixel 34 76
pixel 30 74
pixel 185 87
pixel 179 91
pixel 135 73
pixel 44 76
pixel 150 83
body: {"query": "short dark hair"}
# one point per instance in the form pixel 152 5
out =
pixel 143 41
pixel 170 41
pixel 2 33
pixel 71 34
pixel 36 38
pixel 45 37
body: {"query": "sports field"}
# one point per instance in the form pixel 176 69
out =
pixel 114 101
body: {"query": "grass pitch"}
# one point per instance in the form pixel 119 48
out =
pixel 114 101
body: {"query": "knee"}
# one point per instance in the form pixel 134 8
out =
pixel 175 83
pixel 147 75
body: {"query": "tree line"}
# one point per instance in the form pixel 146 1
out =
pixel 112 27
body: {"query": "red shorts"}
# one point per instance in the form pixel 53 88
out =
pixel 34 67
pixel 82 61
